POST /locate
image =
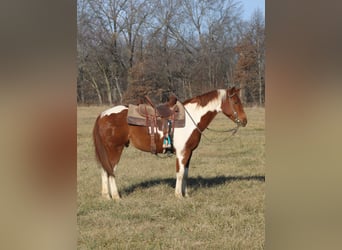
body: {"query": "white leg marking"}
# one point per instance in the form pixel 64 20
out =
pixel 113 188
pixel 105 191
pixel 184 186
pixel 179 179
pixel 112 185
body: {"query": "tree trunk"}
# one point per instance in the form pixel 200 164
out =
pixel 96 87
pixel 190 90
pixel 118 88
pixel 109 91
pixel 259 72
pixel 108 88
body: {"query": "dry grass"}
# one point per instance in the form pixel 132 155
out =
pixel 226 185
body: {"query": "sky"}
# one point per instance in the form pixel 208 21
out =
pixel 250 5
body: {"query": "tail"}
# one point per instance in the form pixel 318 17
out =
pixel 100 150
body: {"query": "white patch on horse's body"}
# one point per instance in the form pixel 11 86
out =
pixel 114 110
pixel 182 135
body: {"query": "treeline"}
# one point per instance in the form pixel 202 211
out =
pixel 131 48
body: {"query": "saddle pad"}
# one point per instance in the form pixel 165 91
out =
pixel 135 118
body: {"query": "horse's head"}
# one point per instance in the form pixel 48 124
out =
pixel 232 107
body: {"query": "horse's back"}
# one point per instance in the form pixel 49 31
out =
pixel 114 110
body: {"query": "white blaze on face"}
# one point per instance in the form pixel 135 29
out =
pixel 181 135
pixel 114 110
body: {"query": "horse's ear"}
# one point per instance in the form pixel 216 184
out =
pixel 235 89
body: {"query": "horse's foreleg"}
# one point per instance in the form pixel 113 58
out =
pixel 179 179
pixel 182 176
pixel 184 183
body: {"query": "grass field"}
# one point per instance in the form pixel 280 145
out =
pixel 226 186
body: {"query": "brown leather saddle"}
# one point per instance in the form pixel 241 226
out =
pixel 165 117
pixel 163 110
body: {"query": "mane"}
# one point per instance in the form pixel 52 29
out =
pixel 204 99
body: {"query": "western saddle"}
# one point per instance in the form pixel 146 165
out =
pixel 165 117
pixel 163 110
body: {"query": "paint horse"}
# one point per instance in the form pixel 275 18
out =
pixel 112 133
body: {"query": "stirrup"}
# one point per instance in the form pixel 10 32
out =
pixel 167 145
pixel 167 142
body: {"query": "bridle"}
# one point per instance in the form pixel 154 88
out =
pixel 235 114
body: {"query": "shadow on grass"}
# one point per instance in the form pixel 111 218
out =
pixel 194 183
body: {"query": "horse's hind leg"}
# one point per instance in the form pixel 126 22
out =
pixel 114 160
pixel 109 188
pixel 113 188
pixel 105 187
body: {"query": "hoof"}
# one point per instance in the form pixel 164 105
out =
pixel 179 196
pixel 106 196
pixel 116 197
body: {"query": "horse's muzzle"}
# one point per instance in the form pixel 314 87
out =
pixel 242 123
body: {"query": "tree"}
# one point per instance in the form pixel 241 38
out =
pixel 130 48
pixel 250 70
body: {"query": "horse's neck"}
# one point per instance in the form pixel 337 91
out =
pixel 203 116
pixel 206 120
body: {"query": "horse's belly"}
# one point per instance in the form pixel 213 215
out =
pixel 140 138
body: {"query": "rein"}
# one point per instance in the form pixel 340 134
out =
pixel 234 130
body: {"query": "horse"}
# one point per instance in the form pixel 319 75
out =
pixel 112 133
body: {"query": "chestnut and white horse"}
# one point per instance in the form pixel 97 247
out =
pixel 112 133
